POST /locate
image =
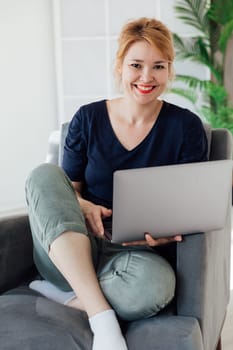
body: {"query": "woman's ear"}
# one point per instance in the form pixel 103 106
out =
pixel 118 73
pixel 171 72
pixel 119 69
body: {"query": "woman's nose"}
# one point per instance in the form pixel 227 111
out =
pixel 147 74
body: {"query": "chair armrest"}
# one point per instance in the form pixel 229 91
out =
pixel 16 253
pixel 221 144
pixel 53 147
pixel 203 274
pixel 56 145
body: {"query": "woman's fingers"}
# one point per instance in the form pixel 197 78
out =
pixel 152 242
pixel 94 216
pixel 142 242
pixel 163 240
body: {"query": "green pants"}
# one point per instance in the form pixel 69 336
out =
pixel 136 281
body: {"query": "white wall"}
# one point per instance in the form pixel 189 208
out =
pixel 27 93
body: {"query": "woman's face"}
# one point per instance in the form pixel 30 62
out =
pixel 144 73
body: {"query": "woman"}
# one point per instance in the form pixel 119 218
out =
pixel 79 266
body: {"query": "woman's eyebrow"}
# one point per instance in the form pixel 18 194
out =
pixel 140 61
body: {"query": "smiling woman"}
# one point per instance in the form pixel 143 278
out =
pixel 144 71
pixel 70 209
pixel 144 67
pixel 152 32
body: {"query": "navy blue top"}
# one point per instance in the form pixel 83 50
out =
pixel 92 151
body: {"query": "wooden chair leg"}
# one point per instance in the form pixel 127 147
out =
pixel 219 346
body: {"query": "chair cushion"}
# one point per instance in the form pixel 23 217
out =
pixel 34 322
pixel 37 323
pixel 16 258
pixel 165 333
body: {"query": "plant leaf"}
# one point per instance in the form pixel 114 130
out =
pixel 222 119
pixel 192 47
pixel 194 13
pixel 192 82
pixel 196 49
pixel 188 94
pixel 225 35
pixel 221 11
pixel 218 93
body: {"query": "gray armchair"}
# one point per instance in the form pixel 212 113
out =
pixel 193 321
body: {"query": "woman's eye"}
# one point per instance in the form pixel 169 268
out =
pixel 136 65
pixel 159 67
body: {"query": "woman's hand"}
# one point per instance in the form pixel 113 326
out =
pixel 94 214
pixel 152 242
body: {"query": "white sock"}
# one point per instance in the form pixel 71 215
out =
pixel 52 292
pixel 107 332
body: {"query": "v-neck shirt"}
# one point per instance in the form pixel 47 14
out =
pixel 93 152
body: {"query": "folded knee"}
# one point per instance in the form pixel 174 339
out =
pixel 41 172
pixel 138 284
pixel 41 176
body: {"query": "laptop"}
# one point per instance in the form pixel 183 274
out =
pixel 169 200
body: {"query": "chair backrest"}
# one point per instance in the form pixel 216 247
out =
pixel 64 131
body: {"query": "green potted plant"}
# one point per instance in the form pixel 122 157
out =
pixel 212 47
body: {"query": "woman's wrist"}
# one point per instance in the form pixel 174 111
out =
pixel 84 203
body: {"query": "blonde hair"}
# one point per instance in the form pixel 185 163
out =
pixel 153 32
